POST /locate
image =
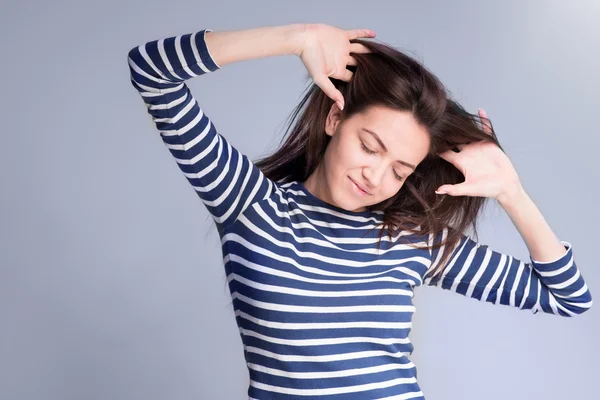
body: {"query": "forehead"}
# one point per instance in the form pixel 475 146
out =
pixel 398 130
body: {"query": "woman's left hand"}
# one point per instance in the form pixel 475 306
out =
pixel 488 171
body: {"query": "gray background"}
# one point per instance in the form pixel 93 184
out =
pixel 111 278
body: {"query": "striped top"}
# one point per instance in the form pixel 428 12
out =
pixel 322 313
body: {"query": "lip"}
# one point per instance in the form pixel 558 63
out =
pixel 360 187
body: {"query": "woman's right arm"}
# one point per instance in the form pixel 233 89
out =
pixel 231 46
pixel 226 181
pixel 325 50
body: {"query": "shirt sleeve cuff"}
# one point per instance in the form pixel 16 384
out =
pixel 557 263
pixel 204 51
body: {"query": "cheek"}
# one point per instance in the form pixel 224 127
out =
pixel 340 158
pixel 356 158
pixel 347 154
pixel 355 155
pixel 394 188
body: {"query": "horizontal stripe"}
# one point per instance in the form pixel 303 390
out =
pixel 321 309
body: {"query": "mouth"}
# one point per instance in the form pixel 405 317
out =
pixel 359 187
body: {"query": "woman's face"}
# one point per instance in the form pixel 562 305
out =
pixel 378 149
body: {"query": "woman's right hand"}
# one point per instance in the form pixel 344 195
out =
pixel 326 51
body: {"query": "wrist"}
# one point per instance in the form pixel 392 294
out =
pixel 295 38
pixel 512 195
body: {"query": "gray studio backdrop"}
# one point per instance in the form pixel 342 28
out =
pixel 111 278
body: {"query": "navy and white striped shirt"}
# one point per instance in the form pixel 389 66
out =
pixel 322 313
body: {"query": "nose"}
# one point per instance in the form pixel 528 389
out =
pixel 374 175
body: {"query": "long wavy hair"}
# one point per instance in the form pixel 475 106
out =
pixel 388 77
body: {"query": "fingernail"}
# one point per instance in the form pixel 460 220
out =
pixel 340 105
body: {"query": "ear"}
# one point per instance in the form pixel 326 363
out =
pixel 333 119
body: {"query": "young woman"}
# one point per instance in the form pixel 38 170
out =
pixel 369 197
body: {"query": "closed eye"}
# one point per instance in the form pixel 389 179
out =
pixel 366 149
pixel 369 151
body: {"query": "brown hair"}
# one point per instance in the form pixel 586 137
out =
pixel 388 77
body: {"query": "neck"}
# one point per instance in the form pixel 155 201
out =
pixel 314 184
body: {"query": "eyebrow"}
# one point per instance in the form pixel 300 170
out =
pixel 385 148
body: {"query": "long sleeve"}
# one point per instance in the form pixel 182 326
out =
pixel 226 181
pixel 474 270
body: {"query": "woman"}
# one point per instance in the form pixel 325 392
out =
pixel 325 240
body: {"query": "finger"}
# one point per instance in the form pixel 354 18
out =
pixel 360 33
pixel 351 61
pixel 450 156
pixel 346 75
pixel 485 121
pixel 359 48
pixel 330 90
pixel 460 189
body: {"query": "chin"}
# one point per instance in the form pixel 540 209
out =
pixel 344 204
pixel 356 207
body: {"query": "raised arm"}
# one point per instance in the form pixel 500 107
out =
pixel 226 181
pixel 474 270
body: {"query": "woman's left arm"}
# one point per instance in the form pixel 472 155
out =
pixel 489 173
pixel 560 287
pixel 543 244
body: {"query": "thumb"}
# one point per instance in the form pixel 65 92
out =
pixel 449 156
pixel 332 92
pixel 459 189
